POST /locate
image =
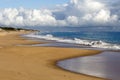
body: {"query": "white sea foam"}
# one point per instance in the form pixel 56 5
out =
pixel 95 44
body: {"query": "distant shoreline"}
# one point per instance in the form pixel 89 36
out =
pixel 15 29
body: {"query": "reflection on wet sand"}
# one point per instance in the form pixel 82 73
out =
pixel 104 65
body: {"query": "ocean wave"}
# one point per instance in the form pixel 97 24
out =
pixel 95 44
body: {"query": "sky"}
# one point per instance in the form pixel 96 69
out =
pixel 21 13
pixel 30 3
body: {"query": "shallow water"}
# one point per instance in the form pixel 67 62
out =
pixel 104 65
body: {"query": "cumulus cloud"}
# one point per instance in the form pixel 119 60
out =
pixel 72 20
pixel 74 13
pixel 25 17
pixel 91 12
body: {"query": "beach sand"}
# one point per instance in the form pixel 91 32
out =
pixel 35 63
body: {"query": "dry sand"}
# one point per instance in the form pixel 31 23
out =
pixel 35 63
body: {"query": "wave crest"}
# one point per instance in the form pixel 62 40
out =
pixel 95 44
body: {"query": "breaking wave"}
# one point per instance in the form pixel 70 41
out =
pixel 95 44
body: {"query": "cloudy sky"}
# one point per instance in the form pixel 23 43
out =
pixel 59 13
pixel 30 3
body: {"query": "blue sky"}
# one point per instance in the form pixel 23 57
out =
pixel 30 3
pixel 74 13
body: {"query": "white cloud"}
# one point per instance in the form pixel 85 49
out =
pixel 25 17
pixel 74 13
pixel 72 20
pixel 91 11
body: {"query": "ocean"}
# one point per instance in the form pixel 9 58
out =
pixel 103 38
pixel 95 37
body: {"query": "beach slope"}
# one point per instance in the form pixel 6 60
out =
pixel 35 63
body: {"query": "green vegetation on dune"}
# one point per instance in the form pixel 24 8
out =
pixel 8 28
pixel 15 29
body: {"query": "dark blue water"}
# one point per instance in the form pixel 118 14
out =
pixel 107 34
pixel 95 36
pixel 110 37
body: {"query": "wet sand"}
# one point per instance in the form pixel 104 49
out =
pixel 104 65
pixel 36 63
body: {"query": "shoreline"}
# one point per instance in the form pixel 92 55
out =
pixel 36 63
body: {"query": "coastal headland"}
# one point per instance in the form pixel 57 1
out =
pixel 35 63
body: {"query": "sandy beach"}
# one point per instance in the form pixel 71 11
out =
pixel 35 63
